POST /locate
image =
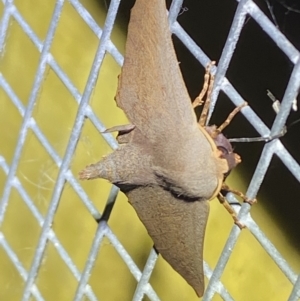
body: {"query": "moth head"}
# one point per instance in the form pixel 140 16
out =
pixel 225 148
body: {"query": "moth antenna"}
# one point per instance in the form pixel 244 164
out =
pixel 293 123
pixel 259 139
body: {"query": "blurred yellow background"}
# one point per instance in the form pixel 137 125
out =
pixel 250 274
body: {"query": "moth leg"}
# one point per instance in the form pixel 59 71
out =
pixel 229 118
pixel 238 193
pixel 229 208
pixel 207 76
pixel 204 113
pixel 206 85
pixel 125 132
pixel 124 128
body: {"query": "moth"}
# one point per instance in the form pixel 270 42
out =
pixel 168 165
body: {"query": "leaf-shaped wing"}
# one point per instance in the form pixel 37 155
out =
pixel 151 89
pixel 177 228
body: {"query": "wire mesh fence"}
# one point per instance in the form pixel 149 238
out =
pixel 11 165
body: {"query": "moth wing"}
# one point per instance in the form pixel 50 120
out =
pixel 151 89
pixel 177 229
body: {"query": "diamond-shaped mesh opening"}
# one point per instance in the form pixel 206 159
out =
pixel 58 77
pixel 18 48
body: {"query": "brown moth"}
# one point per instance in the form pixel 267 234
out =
pixel 168 166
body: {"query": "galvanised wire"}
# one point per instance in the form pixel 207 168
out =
pixel 221 83
pixel 64 168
